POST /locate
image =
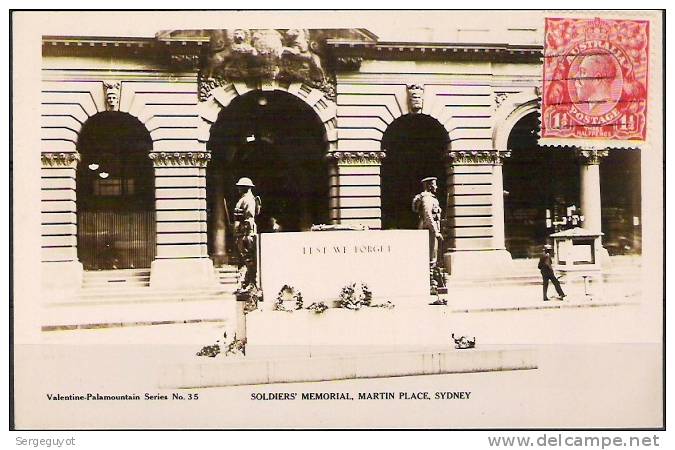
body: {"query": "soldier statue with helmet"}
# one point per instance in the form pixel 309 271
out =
pixel 245 230
pixel 426 206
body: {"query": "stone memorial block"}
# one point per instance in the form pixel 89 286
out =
pixel 393 263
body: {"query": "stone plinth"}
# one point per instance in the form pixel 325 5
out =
pixel 60 279
pixel 393 263
pixel 182 273
pixel 337 331
pixel 232 371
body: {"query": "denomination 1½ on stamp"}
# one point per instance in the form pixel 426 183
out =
pixel 595 79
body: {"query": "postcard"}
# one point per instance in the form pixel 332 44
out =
pixel 329 220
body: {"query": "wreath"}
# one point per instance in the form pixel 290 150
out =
pixel 355 296
pixel 287 294
pixel 251 304
pixel 318 307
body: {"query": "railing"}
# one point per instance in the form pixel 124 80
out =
pixel 116 240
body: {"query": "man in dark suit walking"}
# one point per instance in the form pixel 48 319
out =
pixel 547 274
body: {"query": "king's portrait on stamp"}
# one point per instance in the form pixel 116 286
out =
pixel 283 219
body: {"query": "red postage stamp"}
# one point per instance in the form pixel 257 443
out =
pixel 595 79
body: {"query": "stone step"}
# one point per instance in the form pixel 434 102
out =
pixel 109 314
pixel 502 283
pixel 117 273
pixel 536 277
pixel 116 279
pixel 228 275
pixel 233 371
pixel 146 294
pixel 115 284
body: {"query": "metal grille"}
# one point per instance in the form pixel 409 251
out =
pixel 116 240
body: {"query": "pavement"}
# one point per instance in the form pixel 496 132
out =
pixel 478 306
pixel 518 290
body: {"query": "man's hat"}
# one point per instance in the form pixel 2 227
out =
pixel 429 179
pixel 245 182
pixel 548 247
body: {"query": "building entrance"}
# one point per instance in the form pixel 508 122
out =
pixel 540 184
pixel 115 194
pixel 415 145
pixel 279 142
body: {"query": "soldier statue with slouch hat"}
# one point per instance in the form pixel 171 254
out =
pixel 246 231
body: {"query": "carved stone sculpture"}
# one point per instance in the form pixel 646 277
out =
pixel 269 47
pixel 264 55
pixel 415 98
pixel 112 95
pixel 229 51
pixel 297 48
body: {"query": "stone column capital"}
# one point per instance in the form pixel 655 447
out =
pixel 357 158
pixel 64 159
pixel 589 156
pixel 479 157
pixel 183 159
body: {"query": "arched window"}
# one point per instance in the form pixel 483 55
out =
pixel 415 146
pixel 115 193
pixel 279 142
pixel 540 183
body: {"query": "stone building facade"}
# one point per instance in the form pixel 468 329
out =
pixel 344 85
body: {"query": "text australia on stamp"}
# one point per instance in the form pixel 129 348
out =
pixel 595 79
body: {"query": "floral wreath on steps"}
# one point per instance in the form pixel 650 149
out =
pixel 286 294
pixel 355 296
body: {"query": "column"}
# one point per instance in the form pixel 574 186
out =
pixel 475 214
pixel 219 220
pixel 355 188
pixel 180 195
pixel 498 231
pixel 589 174
pixel 61 270
pixel 591 204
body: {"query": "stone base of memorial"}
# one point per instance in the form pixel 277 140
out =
pixel 338 331
pixel 246 370
pixel 342 305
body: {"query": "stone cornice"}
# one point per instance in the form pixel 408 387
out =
pixel 186 159
pixel 356 158
pixel 589 156
pixel 484 157
pixel 499 52
pixel 60 159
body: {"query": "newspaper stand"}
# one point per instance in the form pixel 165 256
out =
pixel 577 255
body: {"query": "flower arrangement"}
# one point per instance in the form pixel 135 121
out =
pixel 463 342
pixel 355 296
pixel 318 307
pixel 287 294
pixel 252 303
pixel 234 347
pixel 386 305
pixel 209 350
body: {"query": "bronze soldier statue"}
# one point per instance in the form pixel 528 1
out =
pixel 427 207
pixel 246 231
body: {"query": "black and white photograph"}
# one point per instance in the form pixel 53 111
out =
pixel 338 219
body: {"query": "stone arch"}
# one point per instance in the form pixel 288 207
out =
pixel 67 105
pixel 219 98
pixel 367 111
pixel 511 110
pixel 416 148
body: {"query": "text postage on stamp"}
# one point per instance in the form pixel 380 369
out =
pixel 595 79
